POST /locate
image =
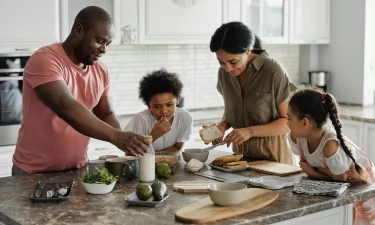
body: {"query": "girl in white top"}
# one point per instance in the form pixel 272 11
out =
pixel 168 125
pixel 325 153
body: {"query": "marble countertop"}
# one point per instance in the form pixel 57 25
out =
pixel 111 208
pixel 358 113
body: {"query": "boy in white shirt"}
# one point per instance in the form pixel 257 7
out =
pixel 168 125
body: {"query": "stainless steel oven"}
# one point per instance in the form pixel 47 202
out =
pixel 11 85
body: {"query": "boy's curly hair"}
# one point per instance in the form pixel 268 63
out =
pixel 159 82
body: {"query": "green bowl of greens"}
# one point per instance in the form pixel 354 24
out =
pixel 102 182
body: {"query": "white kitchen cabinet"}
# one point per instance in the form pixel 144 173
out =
pixel 268 19
pixel 354 131
pixel 70 9
pixel 341 215
pixel 369 140
pixel 6 155
pixel 98 148
pixel 170 22
pixel 28 25
pixel 310 21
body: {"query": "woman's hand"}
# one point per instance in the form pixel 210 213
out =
pixel 238 136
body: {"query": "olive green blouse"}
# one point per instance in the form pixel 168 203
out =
pixel 267 85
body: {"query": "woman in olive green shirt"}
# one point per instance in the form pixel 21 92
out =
pixel 254 88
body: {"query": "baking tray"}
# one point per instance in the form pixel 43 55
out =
pixel 228 170
pixel 133 200
pixel 46 185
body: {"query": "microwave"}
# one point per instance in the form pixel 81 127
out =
pixel 11 86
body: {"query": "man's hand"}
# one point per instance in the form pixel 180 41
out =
pixel 130 143
pixel 238 136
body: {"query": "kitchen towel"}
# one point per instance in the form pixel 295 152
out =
pixel 316 187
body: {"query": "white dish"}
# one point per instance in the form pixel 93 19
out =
pixel 98 189
pixel 271 182
pixel 228 170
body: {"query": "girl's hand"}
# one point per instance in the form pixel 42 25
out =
pixel 305 167
pixel 238 136
pixel 342 177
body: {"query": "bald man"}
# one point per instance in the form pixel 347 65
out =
pixel 66 101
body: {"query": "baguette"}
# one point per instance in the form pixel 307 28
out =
pixel 210 133
pixel 226 159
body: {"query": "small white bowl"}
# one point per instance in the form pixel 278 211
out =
pixel 195 153
pixel 98 189
pixel 225 194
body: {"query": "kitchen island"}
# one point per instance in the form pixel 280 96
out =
pixel 111 208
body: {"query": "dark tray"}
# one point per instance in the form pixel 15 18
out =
pixel 46 185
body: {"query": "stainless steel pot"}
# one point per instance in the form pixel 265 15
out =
pixel 318 78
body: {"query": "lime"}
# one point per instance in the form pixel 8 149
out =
pixel 143 191
pixel 162 170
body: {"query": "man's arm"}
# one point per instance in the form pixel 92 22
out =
pixel 103 110
pixel 59 99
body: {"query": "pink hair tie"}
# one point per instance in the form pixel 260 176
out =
pixel 323 97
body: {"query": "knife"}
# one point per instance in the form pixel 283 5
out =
pixel 212 147
pixel 39 189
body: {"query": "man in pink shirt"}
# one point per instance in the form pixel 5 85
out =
pixel 65 101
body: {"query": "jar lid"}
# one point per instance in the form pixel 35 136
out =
pixel 148 137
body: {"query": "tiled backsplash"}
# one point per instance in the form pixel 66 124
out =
pixel 196 65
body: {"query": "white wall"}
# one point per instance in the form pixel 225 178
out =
pixel 369 64
pixel 344 56
pixel 196 65
pixel 350 55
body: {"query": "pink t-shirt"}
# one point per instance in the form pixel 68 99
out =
pixel 45 141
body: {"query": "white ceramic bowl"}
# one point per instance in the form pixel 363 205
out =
pixel 98 189
pixel 224 194
pixel 195 153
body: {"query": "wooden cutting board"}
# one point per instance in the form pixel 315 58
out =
pixel 204 210
pixel 192 186
pixel 274 168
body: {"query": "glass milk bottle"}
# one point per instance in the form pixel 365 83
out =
pixel 147 163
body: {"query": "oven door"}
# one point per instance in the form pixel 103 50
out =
pixel 10 105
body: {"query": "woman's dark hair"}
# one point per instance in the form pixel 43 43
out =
pixel 159 82
pixel 258 46
pixel 233 37
pixel 316 105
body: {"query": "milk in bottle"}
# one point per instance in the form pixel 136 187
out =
pixel 147 163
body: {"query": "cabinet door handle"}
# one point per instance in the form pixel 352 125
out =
pixel 26 49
